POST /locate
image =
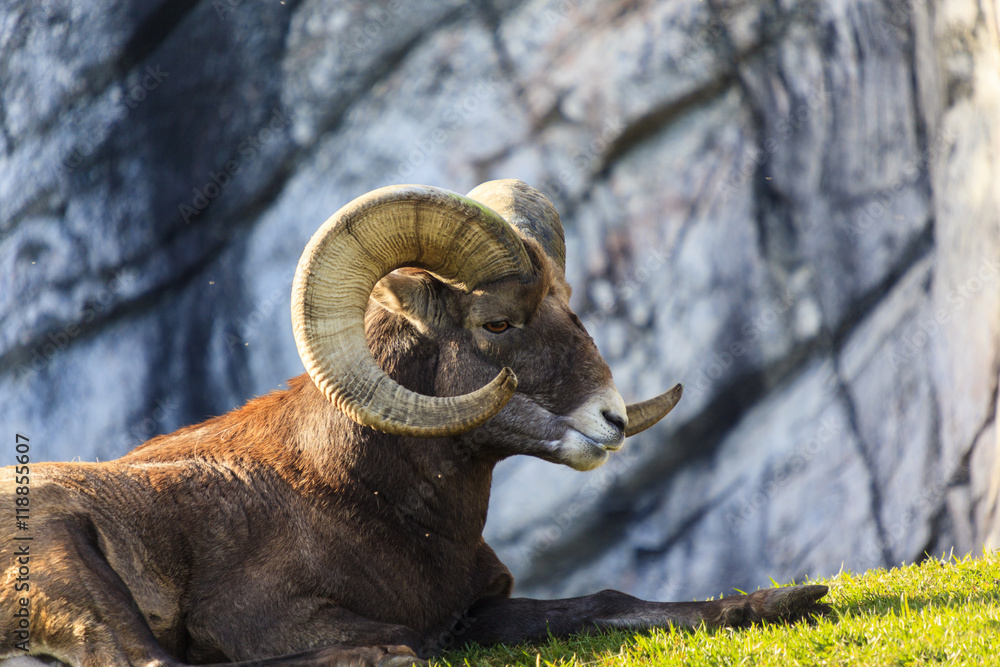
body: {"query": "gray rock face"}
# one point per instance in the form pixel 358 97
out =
pixel 791 207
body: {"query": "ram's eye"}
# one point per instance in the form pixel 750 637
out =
pixel 497 327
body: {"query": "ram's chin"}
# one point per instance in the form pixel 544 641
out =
pixel 580 452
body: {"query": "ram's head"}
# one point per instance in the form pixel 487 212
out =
pixel 483 276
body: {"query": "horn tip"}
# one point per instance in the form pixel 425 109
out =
pixel 507 381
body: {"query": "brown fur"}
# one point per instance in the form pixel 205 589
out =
pixel 284 527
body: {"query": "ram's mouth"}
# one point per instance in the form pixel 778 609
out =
pixel 611 445
pixel 582 452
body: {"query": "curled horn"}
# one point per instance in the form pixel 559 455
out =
pixel 528 210
pixel 459 241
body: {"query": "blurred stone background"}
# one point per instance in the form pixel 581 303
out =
pixel 791 206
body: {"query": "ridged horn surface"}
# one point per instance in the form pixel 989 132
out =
pixel 643 415
pixel 529 211
pixel 457 239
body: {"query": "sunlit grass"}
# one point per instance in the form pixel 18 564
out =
pixel 943 612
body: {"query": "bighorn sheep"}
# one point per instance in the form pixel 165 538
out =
pixel 438 339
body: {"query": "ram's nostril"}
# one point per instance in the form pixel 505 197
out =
pixel 615 420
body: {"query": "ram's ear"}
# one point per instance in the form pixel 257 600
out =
pixel 415 295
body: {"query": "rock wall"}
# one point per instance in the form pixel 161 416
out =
pixel 790 206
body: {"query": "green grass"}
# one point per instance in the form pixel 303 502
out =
pixel 943 612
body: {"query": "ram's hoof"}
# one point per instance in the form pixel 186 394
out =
pixel 400 656
pixel 773 605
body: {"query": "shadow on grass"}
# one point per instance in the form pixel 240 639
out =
pixel 585 647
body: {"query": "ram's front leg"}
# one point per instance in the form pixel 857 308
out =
pixel 80 610
pixel 512 620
